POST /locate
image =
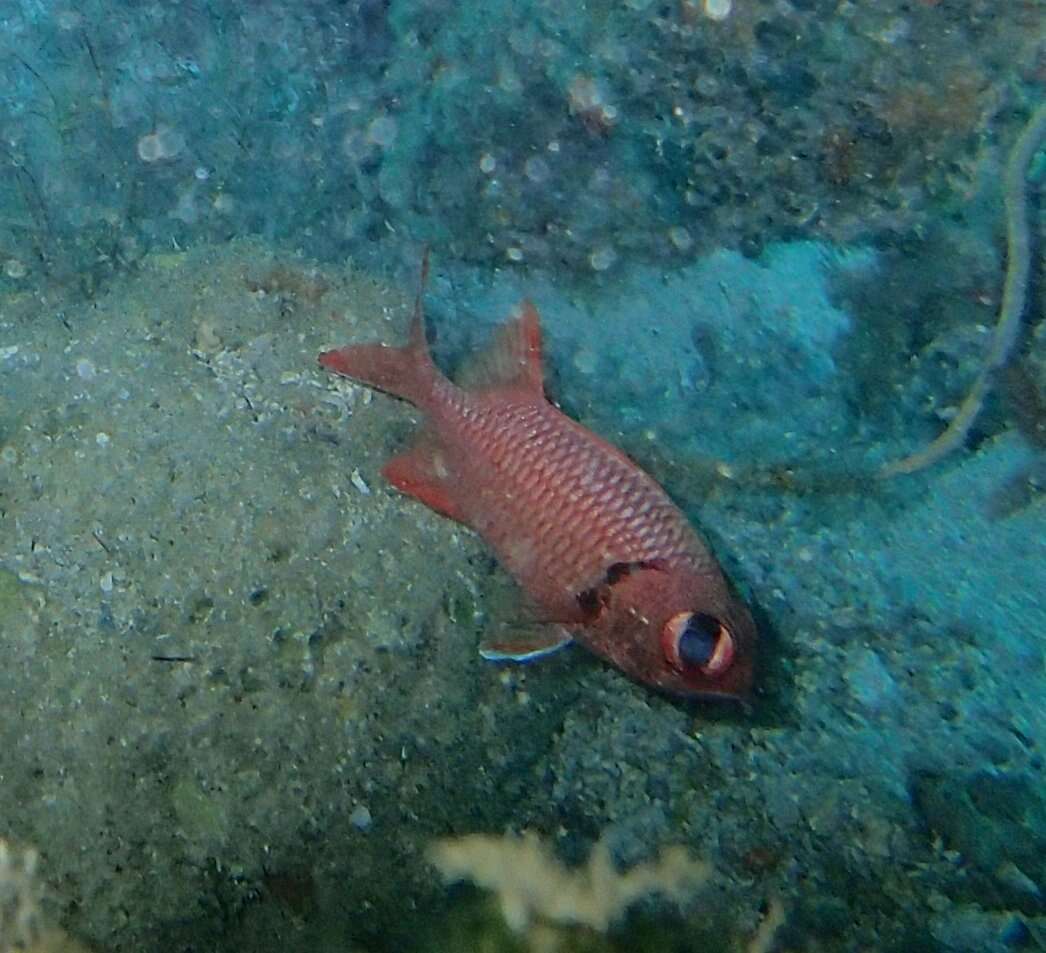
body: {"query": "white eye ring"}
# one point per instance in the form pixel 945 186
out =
pixel 722 648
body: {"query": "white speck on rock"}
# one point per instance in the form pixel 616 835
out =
pixel 718 9
pixel 361 818
pixel 586 361
pixel 870 682
pixel 356 479
pixel 602 258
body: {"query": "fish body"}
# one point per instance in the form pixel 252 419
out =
pixel 605 557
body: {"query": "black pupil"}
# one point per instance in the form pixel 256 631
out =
pixel 698 641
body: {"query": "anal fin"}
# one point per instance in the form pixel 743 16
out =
pixel 424 473
pixel 527 644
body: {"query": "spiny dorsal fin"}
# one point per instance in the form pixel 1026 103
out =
pixel 512 359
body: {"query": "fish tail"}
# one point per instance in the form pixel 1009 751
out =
pixel 408 372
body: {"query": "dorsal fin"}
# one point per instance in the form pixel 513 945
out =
pixel 512 359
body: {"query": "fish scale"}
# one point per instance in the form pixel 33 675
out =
pixel 601 551
pixel 579 482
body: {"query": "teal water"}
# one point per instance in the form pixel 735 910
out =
pixel 778 249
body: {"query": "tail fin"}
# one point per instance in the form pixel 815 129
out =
pixel 406 372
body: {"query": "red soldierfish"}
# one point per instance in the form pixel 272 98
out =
pixel 604 554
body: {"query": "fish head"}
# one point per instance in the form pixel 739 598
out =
pixel 679 630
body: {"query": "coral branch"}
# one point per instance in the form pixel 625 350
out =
pixel 531 884
pixel 23 928
pixel 1007 327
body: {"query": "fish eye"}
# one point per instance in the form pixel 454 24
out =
pixel 696 641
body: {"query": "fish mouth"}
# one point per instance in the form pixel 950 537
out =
pixel 738 691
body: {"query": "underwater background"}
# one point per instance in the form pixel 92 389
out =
pixel 241 704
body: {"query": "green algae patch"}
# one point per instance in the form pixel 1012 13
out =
pixel 168 261
pixel 18 600
pixel 199 812
pixel 12 599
